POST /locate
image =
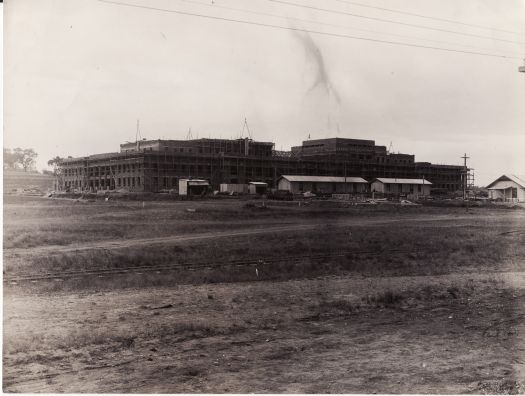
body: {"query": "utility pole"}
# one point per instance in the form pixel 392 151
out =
pixel 465 175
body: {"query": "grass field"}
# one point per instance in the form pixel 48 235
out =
pixel 13 180
pixel 323 298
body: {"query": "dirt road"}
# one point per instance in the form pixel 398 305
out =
pixel 249 229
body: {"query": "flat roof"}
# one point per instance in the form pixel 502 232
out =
pixel 339 140
pixel 324 179
pixel 92 157
pixel 178 141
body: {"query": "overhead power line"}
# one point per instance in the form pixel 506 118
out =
pixel 240 21
pixel 215 5
pixel 426 16
pixel 391 21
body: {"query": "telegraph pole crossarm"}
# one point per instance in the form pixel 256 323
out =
pixel 465 175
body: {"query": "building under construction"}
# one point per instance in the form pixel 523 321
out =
pixel 156 165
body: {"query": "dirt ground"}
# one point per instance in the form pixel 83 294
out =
pixel 451 320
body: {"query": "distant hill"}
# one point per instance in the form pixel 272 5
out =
pixel 14 180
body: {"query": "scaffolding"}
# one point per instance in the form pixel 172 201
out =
pixel 157 165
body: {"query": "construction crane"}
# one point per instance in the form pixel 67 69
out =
pixel 390 149
pixel 246 128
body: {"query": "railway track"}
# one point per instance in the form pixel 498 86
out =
pixel 188 266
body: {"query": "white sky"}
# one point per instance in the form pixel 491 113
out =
pixel 79 73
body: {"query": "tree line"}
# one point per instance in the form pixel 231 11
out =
pixel 19 158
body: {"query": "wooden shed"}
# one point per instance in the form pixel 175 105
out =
pixel 408 187
pixel 508 188
pixel 193 186
pixel 322 184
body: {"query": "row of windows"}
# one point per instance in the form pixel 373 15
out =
pixel 207 169
pixel 102 170
pixel 379 160
pixel 399 187
pixel 180 168
pixel 106 183
pixel 128 181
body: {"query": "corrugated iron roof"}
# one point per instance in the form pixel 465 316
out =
pixel 324 179
pixel 258 183
pixel 518 179
pixel 388 180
